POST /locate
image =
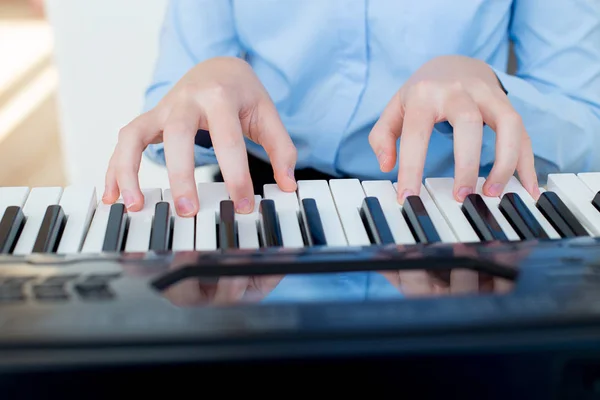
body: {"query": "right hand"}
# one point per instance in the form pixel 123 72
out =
pixel 223 96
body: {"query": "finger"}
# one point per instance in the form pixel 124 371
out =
pixel 418 124
pixel 273 137
pixel 498 113
pixel 180 130
pixel 133 139
pixel 385 133
pixel 415 283
pixel 526 168
pixel 111 189
pixel 464 280
pixel 230 290
pixel 463 114
pixel 230 150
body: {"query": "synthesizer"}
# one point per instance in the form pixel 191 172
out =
pixel 337 270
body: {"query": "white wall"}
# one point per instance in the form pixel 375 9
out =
pixel 104 53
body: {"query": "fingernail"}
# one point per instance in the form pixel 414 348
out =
pixel 406 193
pixel 291 174
pixel 128 199
pixel 184 207
pixel 243 206
pixel 496 189
pixel 464 192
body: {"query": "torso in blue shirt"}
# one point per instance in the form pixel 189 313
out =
pixel 332 66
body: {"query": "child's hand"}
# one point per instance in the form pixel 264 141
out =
pixel 221 95
pixel 466 93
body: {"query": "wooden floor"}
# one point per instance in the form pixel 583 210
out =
pixel 30 147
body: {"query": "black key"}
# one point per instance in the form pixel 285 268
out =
pixel 94 291
pixel 419 221
pixel 51 230
pixel 520 218
pixel 559 215
pixel 481 219
pixel 228 237
pixel 373 215
pixel 315 234
pixel 596 201
pixel 11 226
pixel 160 235
pixel 102 278
pixel 16 281
pixel 10 294
pixel 269 224
pixel 115 229
pixel 50 292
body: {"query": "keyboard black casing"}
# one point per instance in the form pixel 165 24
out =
pixel 542 339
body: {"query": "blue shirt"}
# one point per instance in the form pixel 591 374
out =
pixel 331 66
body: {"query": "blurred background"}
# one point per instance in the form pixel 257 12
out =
pixel 72 73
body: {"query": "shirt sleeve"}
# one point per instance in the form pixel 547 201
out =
pixel 556 88
pixel 192 31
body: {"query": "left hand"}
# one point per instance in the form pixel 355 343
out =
pixel 466 93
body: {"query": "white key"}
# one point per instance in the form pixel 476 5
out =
pixel 79 204
pixel 542 190
pixel 319 191
pixel 578 197
pixel 12 196
pixel 515 186
pixel 591 180
pixel 441 191
pixel 287 207
pixel 94 240
pixel 247 227
pixel 183 227
pixel 210 195
pixel 441 225
pixel 387 196
pixel 348 196
pixel 35 207
pixel 140 222
pixel 493 203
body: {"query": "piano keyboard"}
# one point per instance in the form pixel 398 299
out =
pixel 335 213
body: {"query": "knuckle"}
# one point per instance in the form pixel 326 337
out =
pixel 423 89
pixel 457 86
pixel 216 92
pixel 176 128
pixel 470 116
pixel 474 83
pixel 180 178
pixel 126 132
pixel 512 119
pixel 237 183
pixel 125 166
pixel 469 164
pixel 230 142
pixel 189 91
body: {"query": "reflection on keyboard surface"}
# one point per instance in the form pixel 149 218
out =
pixel 338 213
